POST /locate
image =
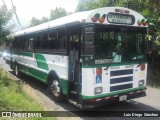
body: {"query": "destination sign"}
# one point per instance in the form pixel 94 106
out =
pixel 120 18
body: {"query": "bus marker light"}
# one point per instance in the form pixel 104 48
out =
pixel 122 11
pixel 117 10
pixel 98 71
pixel 145 23
pixel 139 22
pixel 142 67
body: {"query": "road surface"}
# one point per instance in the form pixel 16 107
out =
pixel 37 90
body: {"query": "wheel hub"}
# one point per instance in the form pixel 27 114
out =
pixel 55 88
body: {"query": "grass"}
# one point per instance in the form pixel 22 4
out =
pixel 13 97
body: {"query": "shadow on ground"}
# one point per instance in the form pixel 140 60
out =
pixel 130 105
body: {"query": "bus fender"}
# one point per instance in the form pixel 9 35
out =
pixel 52 74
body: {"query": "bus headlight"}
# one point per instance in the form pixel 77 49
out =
pixel 141 83
pixel 98 90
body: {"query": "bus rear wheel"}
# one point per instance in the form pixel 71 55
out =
pixel 54 89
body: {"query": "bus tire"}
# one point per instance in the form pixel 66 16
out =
pixel 16 70
pixel 55 91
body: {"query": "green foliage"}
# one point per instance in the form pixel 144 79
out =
pixel 12 96
pixel 34 22
pixel 44 19
pixel 57 13
pixel 85 5
pixel 5 16
pixel 54 14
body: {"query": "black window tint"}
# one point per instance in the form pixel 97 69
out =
pixel 52 41
pixel 26 43
pixel 44 41
pixel 61 39
pixel 31 43
pixel 14 44
pixel 38 42
pixel 18 43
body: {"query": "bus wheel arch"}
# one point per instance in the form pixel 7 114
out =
pixel 54 87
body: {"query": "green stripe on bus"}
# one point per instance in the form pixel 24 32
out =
pixel 112 64
pixel 37 74
pixel 42 76
pixel 41 61
pixel 29 54
pixel 114 93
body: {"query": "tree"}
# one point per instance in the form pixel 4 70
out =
pixel 44 19
pixel 85 5
pixel 57 13
pixel 5 28
pixel 34 21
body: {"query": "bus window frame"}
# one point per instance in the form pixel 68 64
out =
pixel 16 43
pixel 58 51
pixel 83 39
pixel 50 33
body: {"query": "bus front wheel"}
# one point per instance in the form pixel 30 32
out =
pixel 55 90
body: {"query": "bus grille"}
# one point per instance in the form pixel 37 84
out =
pixel 117 77
pixel 121 87
pixel 121 72
pixel 120 80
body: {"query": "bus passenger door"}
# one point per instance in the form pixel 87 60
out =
pixel 74 63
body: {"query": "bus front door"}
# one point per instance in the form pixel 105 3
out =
pixel 74 66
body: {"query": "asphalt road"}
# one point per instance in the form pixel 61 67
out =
pixel 38 90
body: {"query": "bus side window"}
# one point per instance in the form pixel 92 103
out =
pixel 62 39
pixel 44 41
pixel 52 40
pixel 19 43
pixel 38 42
pixel 14 45
pixel 31 43
pixel 26 43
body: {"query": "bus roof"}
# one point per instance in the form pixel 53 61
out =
pixel 105 15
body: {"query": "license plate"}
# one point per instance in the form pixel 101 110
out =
pixel 123 97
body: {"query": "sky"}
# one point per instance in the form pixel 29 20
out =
pixel 26 9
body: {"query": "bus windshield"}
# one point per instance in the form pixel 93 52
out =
pixel 116 45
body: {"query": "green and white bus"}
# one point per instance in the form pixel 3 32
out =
pixel 87 58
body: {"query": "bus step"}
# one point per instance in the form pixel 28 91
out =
pixel 74 92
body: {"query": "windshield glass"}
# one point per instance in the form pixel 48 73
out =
pixel 117 45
